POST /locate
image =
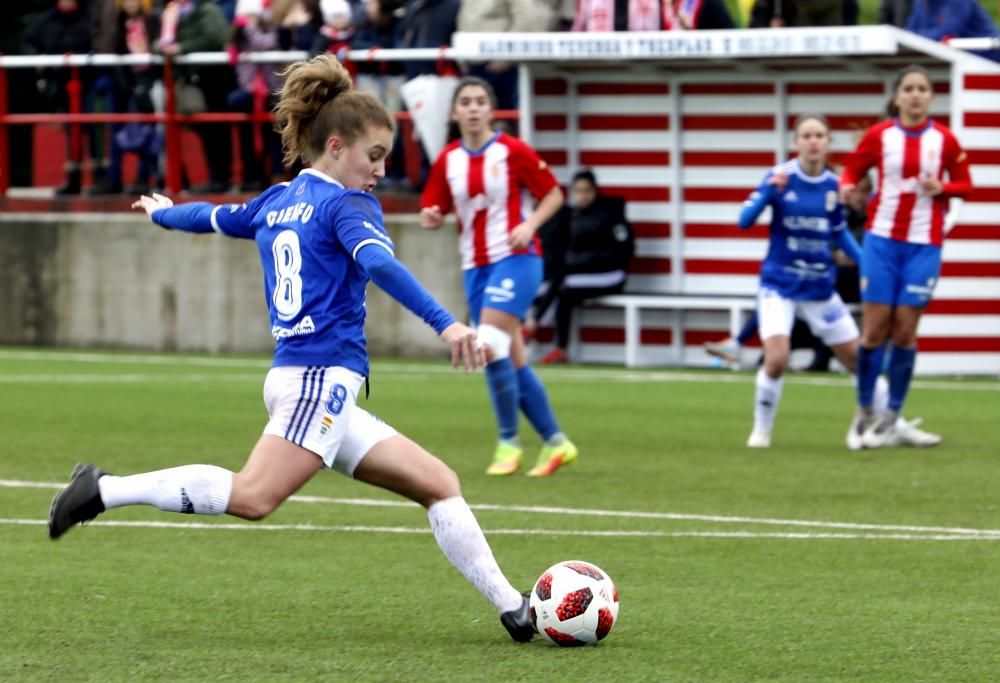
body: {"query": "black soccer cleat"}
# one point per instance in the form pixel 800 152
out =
pixel 79 502
pixel 519 623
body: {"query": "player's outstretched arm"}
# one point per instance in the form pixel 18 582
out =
pixel 395 280
pixel 190 217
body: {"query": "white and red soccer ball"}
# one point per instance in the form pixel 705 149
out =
pixel 574 603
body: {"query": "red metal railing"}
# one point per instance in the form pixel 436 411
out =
pixel 173 121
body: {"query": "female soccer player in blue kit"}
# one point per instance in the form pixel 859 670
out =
pixel 902 247
pixel 798 275
pixel 321 238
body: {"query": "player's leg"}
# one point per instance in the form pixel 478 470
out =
pixel 557 449
pixel 496 333
pixel 285 457
pixel 921 265
pixel 508 297
pixel 881 275
pixel 776 315
pixel 832 323
pixel 376 454
pixel 276 469
pixel 729 348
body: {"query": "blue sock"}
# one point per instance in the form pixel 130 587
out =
pixel 535 403
pixel 869 368
pixel 502 382
pixel 901 363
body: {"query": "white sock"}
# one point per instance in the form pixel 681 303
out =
pixel 880 399
pixel 465 546
pixel 192 489
pixel 765 405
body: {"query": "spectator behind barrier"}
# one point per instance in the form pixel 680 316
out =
pixel 803 13
pixel 502 16
pixel 260 148
pixel 894 12
pixel 381 28
pixel 945 19
pixel 65 28
pixel 135 28
pixel 428 23
pixel 661 15
pixel 298 22
pixel 337 30
pixel 200 26
pixel 594 244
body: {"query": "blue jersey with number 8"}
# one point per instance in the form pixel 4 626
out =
pixel 308 233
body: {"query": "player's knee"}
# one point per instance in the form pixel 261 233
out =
pixel 904 335
pixel 775 364
pixel 440 484
pixel 496 340
pixel 250 504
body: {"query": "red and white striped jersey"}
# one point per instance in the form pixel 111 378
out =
pixel 899 209
pixel 491 192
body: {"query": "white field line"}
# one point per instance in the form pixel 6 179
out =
pixel 618 514
pixel 249 526
pixel 424 370
pixel 131 378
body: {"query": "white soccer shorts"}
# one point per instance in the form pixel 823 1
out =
pixel 829 320
pixel 316 408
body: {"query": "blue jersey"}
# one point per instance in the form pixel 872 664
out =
pixel 308 233
pixel 805 217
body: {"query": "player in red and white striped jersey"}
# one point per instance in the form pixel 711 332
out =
pixel 491 181
pixel 902 251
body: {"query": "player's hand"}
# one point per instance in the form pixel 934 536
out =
pixel 931 186
pixel 466 349
pixel 431 217
pixel 150 203
pixel 842 260
pixel 520 237
pixel 779 180
pixel 846 190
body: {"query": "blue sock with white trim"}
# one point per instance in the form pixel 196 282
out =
pixel 535 403
pixel 869 368
pixel 502 382
pixel 901 362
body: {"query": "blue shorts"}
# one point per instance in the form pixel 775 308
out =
pixel 508 285
pixel 898 273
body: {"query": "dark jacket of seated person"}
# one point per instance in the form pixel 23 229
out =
pixel 587 247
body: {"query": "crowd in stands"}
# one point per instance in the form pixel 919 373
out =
pixel 175 27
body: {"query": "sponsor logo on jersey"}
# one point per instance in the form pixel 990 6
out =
pixel 371 228
pixel 814 223
pixel 304 326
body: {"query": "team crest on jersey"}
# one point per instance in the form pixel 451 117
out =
pixel 864 283
pixel 495 170
pixel 831 200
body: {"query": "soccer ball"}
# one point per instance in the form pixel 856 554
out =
pixel 574 603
